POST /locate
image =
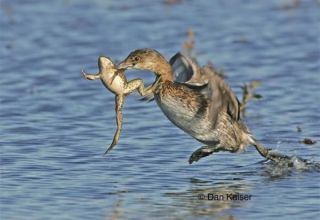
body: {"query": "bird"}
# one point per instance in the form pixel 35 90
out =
pixel 116 82
pixel 201 104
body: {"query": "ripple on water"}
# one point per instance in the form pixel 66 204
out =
pixel 55 126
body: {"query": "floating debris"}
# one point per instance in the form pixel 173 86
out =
pixel 299 129
pixel 308 141
pixel 241 40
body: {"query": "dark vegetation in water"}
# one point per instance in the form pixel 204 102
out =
pixel 307 141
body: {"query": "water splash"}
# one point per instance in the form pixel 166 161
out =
pixel 282 165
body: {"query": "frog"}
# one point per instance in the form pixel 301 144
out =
pixel 116 82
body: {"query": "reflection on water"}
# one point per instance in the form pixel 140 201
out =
pixel 117 212
pixel 55 125
pixel 212 201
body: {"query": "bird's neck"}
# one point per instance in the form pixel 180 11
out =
pixel 164 70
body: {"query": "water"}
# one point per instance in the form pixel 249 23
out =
pixel 55 125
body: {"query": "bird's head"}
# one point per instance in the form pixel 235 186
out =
pixel 147 59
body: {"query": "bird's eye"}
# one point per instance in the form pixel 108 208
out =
pixel 136 59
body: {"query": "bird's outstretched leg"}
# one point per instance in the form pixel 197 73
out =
pixel 269 155
pixel 119 99
pixel 203 152
pixel 90 76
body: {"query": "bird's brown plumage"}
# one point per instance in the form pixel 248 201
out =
pixel 203 105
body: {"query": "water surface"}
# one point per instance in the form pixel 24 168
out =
pixel 55 125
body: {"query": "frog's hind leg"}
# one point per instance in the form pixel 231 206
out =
pixel 119 99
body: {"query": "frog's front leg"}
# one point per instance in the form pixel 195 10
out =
pixel 90 76
pixel 119 99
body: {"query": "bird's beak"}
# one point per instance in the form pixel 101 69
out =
pixel 124 65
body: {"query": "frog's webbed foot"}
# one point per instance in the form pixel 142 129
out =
pixel 203 152
pixel 90 76
pixel 147 97
pixel 149 91
pixel 119 104
pixel 114 141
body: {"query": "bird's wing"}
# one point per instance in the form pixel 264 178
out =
pixel 207 82
pixel 204 89
pixel 183 68
pixel 222 98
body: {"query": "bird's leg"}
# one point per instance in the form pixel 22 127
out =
pixel 90 76
pixel 203 152
pixel 119 99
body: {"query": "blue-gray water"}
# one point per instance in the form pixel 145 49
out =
pixel 56 125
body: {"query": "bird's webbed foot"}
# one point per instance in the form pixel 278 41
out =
pixel 203 152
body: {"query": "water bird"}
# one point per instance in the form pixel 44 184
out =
pixel 202 105
pixel 116 82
